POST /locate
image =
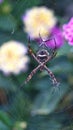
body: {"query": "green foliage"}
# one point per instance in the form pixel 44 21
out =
pixel 58 6
pixel 3 126
pixel 7 23
pixel 40 104
pixel 5 119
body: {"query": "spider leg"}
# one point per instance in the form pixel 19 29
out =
pixel 51 75
pixel 55 43
pixel 53 53
pixel 55 49
pixel 32 73
pixel 52 38
pixel 30 51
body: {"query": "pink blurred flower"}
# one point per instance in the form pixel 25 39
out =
pixel 1 1
pixel 56 36
pixel 68 31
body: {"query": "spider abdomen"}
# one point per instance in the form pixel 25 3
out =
pixel 42 58
pixel 42 55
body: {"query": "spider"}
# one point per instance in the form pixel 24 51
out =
pixel 42 56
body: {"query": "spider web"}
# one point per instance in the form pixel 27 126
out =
pixel 18 105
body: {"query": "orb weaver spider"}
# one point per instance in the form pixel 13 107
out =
pixel 42 56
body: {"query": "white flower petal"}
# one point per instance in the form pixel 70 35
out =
pixel 13 57
pixel 37 18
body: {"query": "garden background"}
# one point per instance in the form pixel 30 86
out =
pixel 37 105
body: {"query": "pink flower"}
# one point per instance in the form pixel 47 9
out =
pixel 1 1
pixel 56 38
pixel 68 31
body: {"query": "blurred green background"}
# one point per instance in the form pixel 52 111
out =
pixel 37 105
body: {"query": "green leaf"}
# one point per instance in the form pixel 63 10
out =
pixel 5 119
pixel 43 123
pixel 16 35
pixel 6 83
pixel 60 68
pixel 65 49
pixel 7 23
pixel 3 126
pixel 20 106
pixel 21 5
pixel 44 83
pixel 46 102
